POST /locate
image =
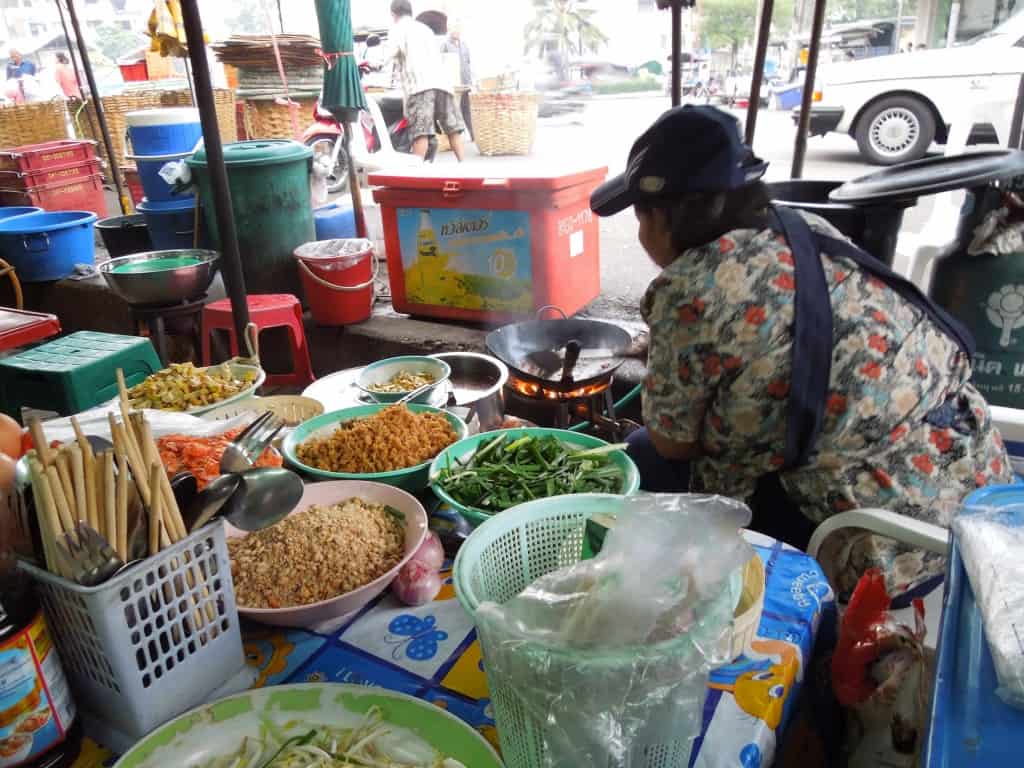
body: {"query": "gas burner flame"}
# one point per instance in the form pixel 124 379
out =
pixel 535 391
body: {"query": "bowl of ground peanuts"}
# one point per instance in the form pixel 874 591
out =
pixel 341 547
pixel 390 444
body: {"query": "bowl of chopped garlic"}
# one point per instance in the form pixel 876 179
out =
pixel 388 381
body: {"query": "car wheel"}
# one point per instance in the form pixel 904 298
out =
pixel 895 130
pixel 337 180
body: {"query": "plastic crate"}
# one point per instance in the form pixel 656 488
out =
pixel 60 174
pixel 39 157
pixel 74 373
pixel 152 642
pixel 83 194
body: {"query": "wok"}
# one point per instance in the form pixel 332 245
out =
pixel 514 345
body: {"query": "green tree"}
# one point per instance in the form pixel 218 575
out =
pixel 727 23
pixel 115 42
pixel 566 25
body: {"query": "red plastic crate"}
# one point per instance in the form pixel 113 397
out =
pixel 49 154
pixel 133 73
pixel 85 194
pixel 18 327
pixel 61 174
pixel 130 174
pixel 490 248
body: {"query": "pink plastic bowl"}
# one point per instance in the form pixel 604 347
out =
pixel 343 605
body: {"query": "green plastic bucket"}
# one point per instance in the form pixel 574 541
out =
pixel 269 182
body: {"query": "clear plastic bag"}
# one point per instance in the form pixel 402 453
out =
pixel 609 657
pixel 176 173
pixel 992 547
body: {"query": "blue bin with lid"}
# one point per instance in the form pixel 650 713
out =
pixel 335 221
pixel 160 136
pixel 47 245
pixel 171 224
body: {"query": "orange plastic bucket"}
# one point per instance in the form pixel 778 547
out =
pixel 337 278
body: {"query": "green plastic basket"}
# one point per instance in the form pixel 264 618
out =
pixel 508 553
pixel 464 448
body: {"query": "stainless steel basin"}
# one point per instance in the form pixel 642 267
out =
pixel 165 282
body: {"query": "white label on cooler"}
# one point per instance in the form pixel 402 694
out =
pixel 575 244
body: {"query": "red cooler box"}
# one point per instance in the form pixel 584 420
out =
pixel 491 245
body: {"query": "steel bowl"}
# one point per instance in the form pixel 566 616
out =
pixel 162 284
pixel 478 381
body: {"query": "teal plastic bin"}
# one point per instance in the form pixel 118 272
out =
pixel 269 182
pixel 73 373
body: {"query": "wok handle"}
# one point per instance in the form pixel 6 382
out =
pixel 553 308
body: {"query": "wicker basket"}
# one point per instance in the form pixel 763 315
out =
pixel 266 119
pixel 114 109
pixel 32 123
pixel 504 123
pixel 224 101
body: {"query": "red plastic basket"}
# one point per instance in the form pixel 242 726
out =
pixel 49 154
pixel 61 174
pixel 83 194
pixel 18 328
pixel 133 73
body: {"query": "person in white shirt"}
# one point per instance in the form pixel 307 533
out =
pixel 429 97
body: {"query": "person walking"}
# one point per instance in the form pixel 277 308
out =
pixel 429 98
pixel 455 44
pixel 65 77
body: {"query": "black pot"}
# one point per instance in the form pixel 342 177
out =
pixel 873 227
pixel 125 235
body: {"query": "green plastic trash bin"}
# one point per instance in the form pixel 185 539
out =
pixel 270 197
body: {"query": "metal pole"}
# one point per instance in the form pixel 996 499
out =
pixel 800 148
pixel 677 56
pixel 231 260
pixel 897 31
pixel 764 31
pixel 1013 141
pixel 94 94
pixel 954 23
pixel 74 65
pixel 353 181
pixel 280 17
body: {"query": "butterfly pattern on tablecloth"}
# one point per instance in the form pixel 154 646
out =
pixel 416 637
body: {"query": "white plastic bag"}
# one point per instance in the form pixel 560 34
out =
pixel 992 547
pixel 318 178
pixel 176 173
pixel 610 656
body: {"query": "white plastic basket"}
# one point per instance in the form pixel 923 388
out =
pixel 155 640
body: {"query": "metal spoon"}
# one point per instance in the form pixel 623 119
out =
pixel 209 501
pixel 264 496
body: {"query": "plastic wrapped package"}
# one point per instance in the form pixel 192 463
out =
pixel 335 255
pixel 992 547
pixel 605 662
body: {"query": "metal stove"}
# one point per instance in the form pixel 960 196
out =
pixel 561 405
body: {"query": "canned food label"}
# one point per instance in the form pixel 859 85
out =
pixel 36 709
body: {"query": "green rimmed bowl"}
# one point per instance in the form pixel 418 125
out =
pixel 410 479
pixel 383 371
pixel 464 448
pixel 218 728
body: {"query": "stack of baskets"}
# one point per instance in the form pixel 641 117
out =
pixel 504 123
pixel 32 123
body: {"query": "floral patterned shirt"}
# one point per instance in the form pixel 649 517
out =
pixel 721 321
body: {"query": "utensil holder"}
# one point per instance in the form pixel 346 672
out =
pixel 153 641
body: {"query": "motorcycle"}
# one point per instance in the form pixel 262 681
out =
pixel 384 115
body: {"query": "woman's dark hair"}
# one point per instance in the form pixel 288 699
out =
pixel 62 58
pixel 701 217
pixel 401 7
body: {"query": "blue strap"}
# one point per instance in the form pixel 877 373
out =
pixel 812 327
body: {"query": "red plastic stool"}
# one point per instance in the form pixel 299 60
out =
pixel 267 310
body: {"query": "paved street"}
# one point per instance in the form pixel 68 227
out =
pixel 602 135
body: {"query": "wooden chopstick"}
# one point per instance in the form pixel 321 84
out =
pixel 63 465
pixel 49 524
pixel 43 450
pixel 78 481
pixel 110 499
pixel 122 507
pixel 172 515
pixel 61 502
pixel 155 513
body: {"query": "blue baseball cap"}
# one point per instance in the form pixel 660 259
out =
pixel 687 149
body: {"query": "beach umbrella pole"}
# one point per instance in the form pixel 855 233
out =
pixel 353 181
pixel 94 93
pixel 231 260
pixel 78 70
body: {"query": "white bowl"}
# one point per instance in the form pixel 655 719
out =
pixel 339 607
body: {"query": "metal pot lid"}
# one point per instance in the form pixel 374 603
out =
pixel 932 176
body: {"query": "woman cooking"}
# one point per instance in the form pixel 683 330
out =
pixel 788 367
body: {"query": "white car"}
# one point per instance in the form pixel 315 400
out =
pixel 896 106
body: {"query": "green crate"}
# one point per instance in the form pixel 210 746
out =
pixel 73 373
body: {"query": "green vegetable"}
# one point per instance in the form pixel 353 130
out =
pixel 499 476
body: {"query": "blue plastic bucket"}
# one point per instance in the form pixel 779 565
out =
pixel 163 131
pixel 9 211
pixel 154 187
pixel 171 224
pixel 47 245
pixel 335 221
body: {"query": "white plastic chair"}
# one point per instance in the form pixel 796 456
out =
pixel 916 251
pixel 384 158
pixel 904 529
